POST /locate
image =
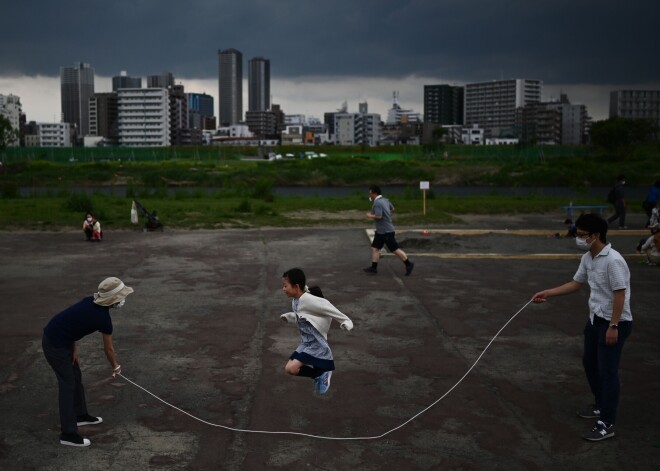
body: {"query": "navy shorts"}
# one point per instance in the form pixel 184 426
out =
pixel 385 239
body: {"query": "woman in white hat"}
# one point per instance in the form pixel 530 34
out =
pixel 61 333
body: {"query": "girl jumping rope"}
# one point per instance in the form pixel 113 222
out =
pixel 313 314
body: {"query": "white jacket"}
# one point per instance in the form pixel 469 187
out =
pixel 319 312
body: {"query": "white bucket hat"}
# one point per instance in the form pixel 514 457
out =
pixel 111 291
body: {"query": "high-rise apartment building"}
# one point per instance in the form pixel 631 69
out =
pixel 492 105
pixel 76 88
pixel 443 104
pixel 230 87
pixel 258 84
pixel 124 81
pixel 143 117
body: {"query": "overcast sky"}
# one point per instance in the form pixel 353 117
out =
pixel 325 52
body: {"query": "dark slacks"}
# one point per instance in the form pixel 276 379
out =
pixel 620 214
pixel 601 365
pixel 69 381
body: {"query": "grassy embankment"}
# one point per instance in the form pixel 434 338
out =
pixel 211 188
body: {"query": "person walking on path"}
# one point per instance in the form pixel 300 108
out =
pixel 619 203
pixel 313 314
pixel 59 339
pixel 609 323
pixel 381 213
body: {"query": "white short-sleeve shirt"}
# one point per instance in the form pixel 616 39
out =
pixel 605 273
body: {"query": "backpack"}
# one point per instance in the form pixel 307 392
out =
pixel 610 196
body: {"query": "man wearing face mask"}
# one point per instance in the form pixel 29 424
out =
pixel 609 323
pixel 59 339
pixel 619 203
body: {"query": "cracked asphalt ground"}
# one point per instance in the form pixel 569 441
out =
pixel 202 332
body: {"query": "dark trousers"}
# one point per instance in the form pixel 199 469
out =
pixel 619 213
pixel 601 365
pixel 69 381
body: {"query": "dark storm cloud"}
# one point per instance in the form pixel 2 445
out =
pixel 559 41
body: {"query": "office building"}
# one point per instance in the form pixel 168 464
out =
pixel 76 88
pixel 143 117
pixel 124 81
pixel 164 80
pixel 200 111
pixel 258 84
pixel 492 105
pixel 397 115
pixel 443 104
pixel 636 104
pixel 230 87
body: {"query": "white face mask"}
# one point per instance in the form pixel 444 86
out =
pixel 89 219
pixel 120 304
pixel 583 244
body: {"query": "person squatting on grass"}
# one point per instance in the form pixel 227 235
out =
pixel 313 314
pixel 609 323
pixel 59 339
pixel 381 213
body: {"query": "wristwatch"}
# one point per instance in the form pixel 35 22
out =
pixel 614 326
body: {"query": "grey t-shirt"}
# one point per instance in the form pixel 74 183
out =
pixel 382 207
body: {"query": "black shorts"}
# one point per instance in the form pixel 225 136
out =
pixel 385 239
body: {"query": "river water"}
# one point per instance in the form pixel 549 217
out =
pixel 632 193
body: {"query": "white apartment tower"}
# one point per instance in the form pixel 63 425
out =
pixel 143 117
pixel 492 105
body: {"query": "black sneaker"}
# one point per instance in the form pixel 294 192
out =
pixel 589 412
pixel 73 439
pixel 599 432
pixel 409 268
pixel 371 271
pixel 88 420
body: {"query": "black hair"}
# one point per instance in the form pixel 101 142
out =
pixel 657 184
pixel 568 221
pixel 593 224
pixel 620 178
pixel 316 291
pixel 296 277
pixel 375 189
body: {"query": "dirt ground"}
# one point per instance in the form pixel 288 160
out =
pixel 202 332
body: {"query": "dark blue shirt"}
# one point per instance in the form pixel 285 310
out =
pixel 77 321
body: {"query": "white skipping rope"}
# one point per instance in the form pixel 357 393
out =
pixel 325 437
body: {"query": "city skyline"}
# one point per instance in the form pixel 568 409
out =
pixel 326 53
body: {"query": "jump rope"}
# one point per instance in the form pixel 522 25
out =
pixel 326 437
